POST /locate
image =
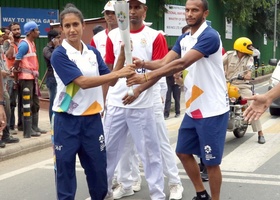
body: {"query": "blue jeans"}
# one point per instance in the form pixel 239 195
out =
pixel 51 85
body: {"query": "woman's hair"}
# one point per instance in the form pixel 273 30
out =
pixel 71 8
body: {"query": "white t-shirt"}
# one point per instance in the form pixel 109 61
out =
pixel 69 64
pixel 148 44
pixel 205 85
pixel 99 42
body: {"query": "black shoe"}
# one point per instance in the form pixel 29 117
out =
pixel 177 115
pixel 11 139
pixel 13 132
pixel 35 133
pixel 20 128
pixel 165 117
pixel 204 175
pixel 197 198
pixel 37 129
pixel 261 139
pixel 2 144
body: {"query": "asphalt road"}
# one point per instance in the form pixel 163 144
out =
pixel 250 170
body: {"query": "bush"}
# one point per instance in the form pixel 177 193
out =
pixel 264 70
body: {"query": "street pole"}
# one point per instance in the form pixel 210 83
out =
pixel 275 23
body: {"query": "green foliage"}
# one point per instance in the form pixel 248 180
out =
pixel 258 15
pixel 242 12
pixel 263 70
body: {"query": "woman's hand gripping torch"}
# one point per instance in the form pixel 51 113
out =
pixel 122 14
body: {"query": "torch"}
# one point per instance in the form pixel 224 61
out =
pixel 122 14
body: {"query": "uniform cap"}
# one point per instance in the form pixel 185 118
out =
pixel 141 1
pixel 147 23
pixel 29 26
pixel 109 6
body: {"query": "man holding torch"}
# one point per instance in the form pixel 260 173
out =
pixel 130 110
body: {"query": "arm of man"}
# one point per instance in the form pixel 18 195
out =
pixel 248 70
pixel 168 69
pixel 207 44
pixel 261 103
pixel 47 53
pixel 22 50
pixel 8 49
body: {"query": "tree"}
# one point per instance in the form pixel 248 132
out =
pixel 257 15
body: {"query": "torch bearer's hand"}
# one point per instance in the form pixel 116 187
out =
pixel 138 63
pixel 126 71
pixel 128 99
pixel 136 79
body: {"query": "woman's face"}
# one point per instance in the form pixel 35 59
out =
pixel 72 28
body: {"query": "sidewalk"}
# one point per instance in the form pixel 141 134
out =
pixel 28 145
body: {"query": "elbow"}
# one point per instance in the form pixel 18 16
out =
pixel 82 82
pixel 84 86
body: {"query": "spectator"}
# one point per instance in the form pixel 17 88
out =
pixel 80 71
pixel 54 41
pixel 174 83
pixel 27 66
pixel 175 90
pixel 6 137
pixel 99 40
pixel 256 56
pixel 10 47
pixel 97 29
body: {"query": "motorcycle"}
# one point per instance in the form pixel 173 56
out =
pixel 238 105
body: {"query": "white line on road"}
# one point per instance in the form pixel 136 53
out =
pixel 25 169
pixel 250 155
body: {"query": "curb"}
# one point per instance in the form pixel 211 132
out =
pixel 25 146
pixel 29 145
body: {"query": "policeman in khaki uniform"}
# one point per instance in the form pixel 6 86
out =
pixel 240 61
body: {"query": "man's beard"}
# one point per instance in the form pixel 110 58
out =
pixel 17 36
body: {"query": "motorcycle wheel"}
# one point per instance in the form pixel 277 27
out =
pixel 240 132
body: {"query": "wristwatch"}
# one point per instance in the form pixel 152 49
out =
pixel 2 103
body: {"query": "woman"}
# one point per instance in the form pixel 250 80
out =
pixel 80 72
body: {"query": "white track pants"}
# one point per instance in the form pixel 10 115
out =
pixel 141 125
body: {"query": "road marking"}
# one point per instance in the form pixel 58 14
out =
pixel 243 177
pixel 25 169
pixel 250 155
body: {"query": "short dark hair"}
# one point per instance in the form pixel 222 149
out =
pixel 12 24
pixel 97 29
pixel 205 4
pixel 52 34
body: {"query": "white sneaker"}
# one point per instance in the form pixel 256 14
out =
pixel 109 196
pixel 120 192
pixel 136 186
pixel 176 192
pixel 115 183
